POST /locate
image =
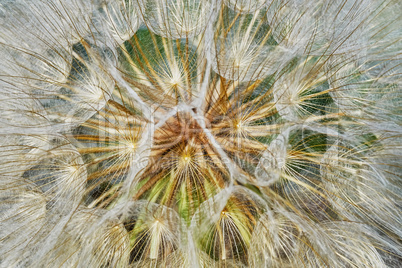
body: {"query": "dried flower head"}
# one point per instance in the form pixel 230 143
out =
pixel 200 133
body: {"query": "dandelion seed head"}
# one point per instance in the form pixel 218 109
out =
pixel 192 133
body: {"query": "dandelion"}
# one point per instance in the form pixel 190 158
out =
pixel 189 133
